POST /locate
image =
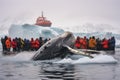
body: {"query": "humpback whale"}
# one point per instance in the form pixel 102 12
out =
pixel 59 46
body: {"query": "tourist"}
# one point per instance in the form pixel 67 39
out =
pixel 32 44
pixel 77 42
pixel 92 43
pixel 37 44
pixel 21 44
pixel 84 44
pixel 3 44
pixel 99 45
pixel 112 43
pixel 14 45
pixel 105 44
pixel 8 44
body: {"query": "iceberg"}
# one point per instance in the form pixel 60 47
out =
pixel 85 60
pixel 33 31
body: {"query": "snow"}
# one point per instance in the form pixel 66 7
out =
pixel 98 59
pixel 22 56
pixel 85 60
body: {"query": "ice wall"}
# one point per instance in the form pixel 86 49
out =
pixel 33 31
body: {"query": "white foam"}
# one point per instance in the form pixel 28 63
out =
pixel 26 56
pixel 22 56
pixel 85 60
pixel 68 60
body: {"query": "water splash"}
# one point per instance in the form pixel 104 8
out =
pixel 22 56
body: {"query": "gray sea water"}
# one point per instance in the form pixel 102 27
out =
pixel 21 68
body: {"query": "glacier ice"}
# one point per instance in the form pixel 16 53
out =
pixel 85 60
pixel 33 31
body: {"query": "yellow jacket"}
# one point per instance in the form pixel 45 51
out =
pixel 92 43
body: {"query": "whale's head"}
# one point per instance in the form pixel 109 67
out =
pixel 68 39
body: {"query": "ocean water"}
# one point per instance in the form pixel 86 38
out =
pixel 20 67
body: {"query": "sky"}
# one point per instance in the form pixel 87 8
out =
pixel 74 15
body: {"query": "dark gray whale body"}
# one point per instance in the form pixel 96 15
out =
pixel 57 47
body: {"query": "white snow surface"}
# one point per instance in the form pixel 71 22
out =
pixel 85 60
pixel 22 56
pixel 26 57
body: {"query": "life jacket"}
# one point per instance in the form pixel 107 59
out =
pixel 105 44
pixel 81 42
pixel 92 43
pixel 37 44
pixel 84 44
pixel 32 44
pixel 8 43
pixel 77 44
pixel 14 44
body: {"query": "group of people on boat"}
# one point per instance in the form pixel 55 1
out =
pixel 95 43
pixel 19 44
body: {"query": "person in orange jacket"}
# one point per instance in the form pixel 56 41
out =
pixel 8 44
pixel 77 42
pixel 105 44
pixel 92 43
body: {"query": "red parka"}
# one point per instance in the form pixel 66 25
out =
pixel 14 43
pixel 32 43
pixel 84 44
pixel 37 43
pixel 105 44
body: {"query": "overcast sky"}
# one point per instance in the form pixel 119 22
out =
pixel 68 14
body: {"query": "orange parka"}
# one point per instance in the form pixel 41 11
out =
pixel 92 43
pixel 8 43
